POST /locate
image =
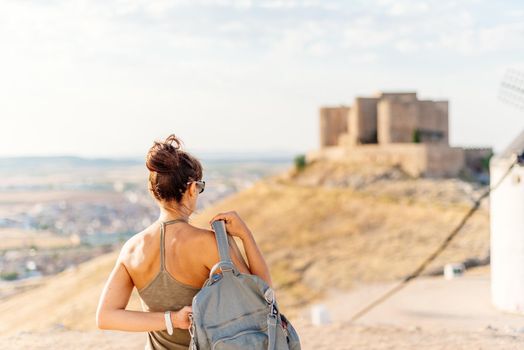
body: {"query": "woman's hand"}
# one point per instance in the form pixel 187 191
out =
pixel 180 318
pixel 235 226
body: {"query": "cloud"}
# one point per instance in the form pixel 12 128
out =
pixel 406 8
pixel 363 57
pixel 178 52
pixel 406 46
pixel 319 49
pixel 365 32
pixel 313 28
pixel 506 36
pixel 474 41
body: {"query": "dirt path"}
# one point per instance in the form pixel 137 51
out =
pixel 430 314
pixel 461 304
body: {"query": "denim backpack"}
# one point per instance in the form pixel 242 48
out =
pixel 234 310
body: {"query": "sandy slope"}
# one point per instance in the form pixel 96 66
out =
pixel 429 314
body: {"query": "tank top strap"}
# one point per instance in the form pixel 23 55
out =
pixel 162 241
pixel 162 246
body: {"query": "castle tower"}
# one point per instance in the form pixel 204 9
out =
pixel 333 123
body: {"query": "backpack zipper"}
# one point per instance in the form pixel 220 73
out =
pixel 221 340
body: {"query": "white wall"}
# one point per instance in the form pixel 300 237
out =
pixel 507 238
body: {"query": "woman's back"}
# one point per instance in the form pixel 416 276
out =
pixel 182 242
pixel 168 263
pixel 166 276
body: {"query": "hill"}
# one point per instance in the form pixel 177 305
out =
pixel 328 227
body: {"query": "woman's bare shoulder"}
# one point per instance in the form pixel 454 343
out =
pixel 203 240
pixel 201 235
pixel 136 246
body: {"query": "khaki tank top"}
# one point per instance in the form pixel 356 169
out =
pixel 164 293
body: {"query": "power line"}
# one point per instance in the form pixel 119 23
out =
pixel 416 273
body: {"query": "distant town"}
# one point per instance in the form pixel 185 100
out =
pixel 59 215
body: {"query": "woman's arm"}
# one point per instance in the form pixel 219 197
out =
pixel 256 261
pixel 236 227
pixel 235 252
pixel 111 312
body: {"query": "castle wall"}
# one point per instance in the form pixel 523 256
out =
pixel 333 123
pixel 328 153
pixel 475 158
pixel 428 118
pixel 443 108
pixel 433 118
pixel 398 96
pixel 400 117
pixel 363 121
pixel 384 111
pixel 415 159
pixel 443 160
pixel 397 120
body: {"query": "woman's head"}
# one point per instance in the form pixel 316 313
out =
pixel 171 169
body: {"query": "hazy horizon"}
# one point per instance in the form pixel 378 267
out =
pixel 209 155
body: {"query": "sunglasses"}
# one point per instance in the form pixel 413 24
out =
pixel 201 185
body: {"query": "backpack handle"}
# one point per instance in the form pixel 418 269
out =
pixel 223 266
pixel 225 263
pixel 219 227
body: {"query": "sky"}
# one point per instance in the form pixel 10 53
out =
pixel 104 78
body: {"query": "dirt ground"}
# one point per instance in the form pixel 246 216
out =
pixel 430 313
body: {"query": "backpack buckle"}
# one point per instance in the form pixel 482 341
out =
pixel 269 295
pixel 191 332
pixel 274 310
pixel 226 268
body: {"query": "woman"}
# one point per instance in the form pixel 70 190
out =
pixel 169 261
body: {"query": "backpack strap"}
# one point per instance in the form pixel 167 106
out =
pixel 269 295
pixel 221 236
pixel 225 263
pixel 271 331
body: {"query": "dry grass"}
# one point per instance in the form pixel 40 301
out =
pixel 318 238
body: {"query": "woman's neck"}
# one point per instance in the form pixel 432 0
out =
pixel 167 215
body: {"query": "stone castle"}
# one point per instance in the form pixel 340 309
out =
pixel 396 129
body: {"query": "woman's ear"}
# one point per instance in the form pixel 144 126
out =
pixel 192 189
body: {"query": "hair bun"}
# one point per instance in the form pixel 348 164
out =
pixel 171 168
pixel 164 157
pixel 173 139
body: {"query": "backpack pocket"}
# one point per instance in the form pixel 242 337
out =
pixel 293 341
pixel 248 339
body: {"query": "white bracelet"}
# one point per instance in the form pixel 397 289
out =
pixel 169 324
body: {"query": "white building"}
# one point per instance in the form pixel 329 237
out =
pixel 507 229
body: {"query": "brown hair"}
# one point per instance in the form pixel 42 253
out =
pixel 170 169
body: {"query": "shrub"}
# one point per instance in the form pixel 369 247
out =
pixel 300 162
pixel 9 276
pixel 485 162
pixel 416 136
